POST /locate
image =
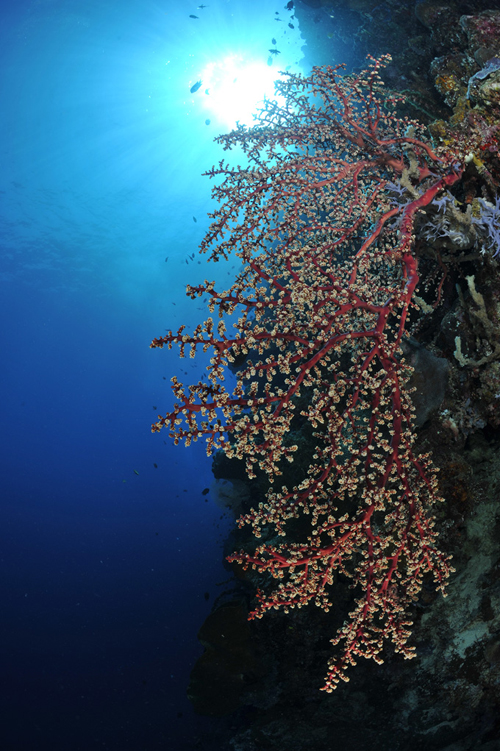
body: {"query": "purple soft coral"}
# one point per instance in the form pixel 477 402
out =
pixel 489 220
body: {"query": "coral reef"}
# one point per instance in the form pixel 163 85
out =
pixel 444 362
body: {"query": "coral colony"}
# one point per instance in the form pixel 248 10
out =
pixel 320 313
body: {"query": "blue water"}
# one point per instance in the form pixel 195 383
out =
pixel 108 548
pixel 105 557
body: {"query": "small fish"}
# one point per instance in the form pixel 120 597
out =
pixel 195 87
pixel 136 472
pixel 289 5
pixel 200 7
pixel 275 52
pixel 155 408
pixel 273 42
pixel 291 25
pixel 205 491
pixel 207 122
pixel 193 16
pixel 155 465
pixel 207 595
pixel 207 91
pixel 166 259
pixel 195 219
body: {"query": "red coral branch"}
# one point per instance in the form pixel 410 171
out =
pixel 321 309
